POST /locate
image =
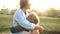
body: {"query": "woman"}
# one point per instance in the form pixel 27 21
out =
pixel 20 18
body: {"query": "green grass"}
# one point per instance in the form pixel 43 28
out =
pixel 5 22
pixel 49 23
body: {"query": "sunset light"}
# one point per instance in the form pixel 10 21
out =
pixel 37 4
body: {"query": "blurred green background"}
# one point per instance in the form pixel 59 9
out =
pixel 47 10
pixel 51 24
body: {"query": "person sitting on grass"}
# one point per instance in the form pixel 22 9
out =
pixel 20 21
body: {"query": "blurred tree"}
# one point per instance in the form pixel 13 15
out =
pixel 13 11
pixel 58 12
pixel 51 12
pixel 0 12
pixel 37 12
pixel 4 10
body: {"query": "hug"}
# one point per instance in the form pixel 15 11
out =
pixel 23 24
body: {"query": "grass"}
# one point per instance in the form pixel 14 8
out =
pixel 5 22
pixel 51 24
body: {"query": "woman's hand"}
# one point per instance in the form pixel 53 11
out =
pixel 34 32
pixel 39 28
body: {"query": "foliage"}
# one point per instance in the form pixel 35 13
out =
pixel 52 12
pixel 1 12
pixel 13 11
pixel 37 12
pixel 4 10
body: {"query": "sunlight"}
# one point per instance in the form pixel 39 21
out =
pixel 45 4
pixel 11 4
pixel 37 4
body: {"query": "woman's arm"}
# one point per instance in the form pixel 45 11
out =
pixel 22 21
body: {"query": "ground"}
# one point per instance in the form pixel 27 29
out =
pixel 50 24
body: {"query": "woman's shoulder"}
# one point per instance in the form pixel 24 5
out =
pixel 18 11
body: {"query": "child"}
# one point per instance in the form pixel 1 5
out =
pixel 33 18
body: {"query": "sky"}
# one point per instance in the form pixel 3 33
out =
pixel 37 4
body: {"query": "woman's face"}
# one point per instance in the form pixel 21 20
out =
pixel 28 5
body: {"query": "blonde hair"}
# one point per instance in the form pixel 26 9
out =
pixel 33 18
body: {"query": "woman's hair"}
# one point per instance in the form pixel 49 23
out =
pixel 23 3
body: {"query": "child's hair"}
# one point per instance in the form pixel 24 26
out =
pixel 33 18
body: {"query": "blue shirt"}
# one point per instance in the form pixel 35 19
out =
pixel 20 19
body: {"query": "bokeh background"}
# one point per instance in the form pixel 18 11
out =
pixel 47 10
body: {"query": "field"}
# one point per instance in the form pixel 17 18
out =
pixel 51 24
